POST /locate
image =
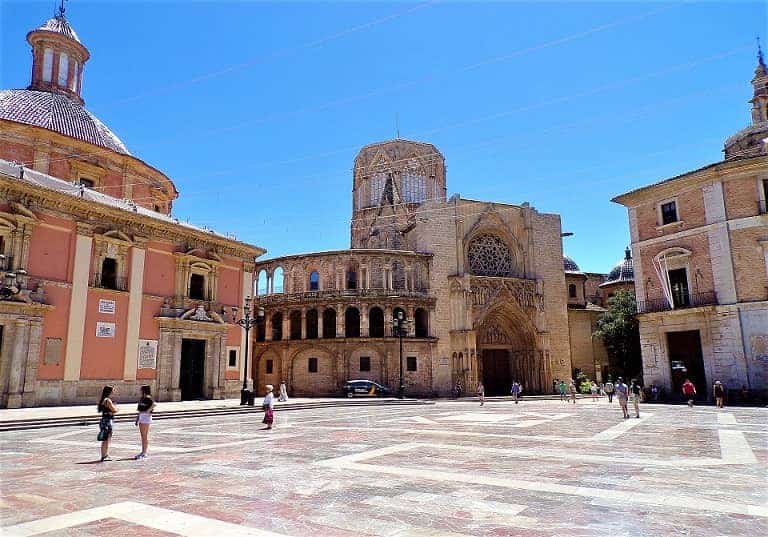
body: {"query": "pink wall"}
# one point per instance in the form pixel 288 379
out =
pixel 159 270
pixel 103 357
pixel 51 251
pixel 54 326
pixel 230 287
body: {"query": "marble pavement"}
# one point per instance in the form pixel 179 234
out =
pixel 454 468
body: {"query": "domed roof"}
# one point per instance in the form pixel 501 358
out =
pixel 58 113
pixel 570 265
pixel 59 25
pixel 624 271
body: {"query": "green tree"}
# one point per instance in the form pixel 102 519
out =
pixel 619 329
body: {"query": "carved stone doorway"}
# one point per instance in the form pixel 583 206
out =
pixel 192 369
pixel 496 371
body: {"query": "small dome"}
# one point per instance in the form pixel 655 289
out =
pixel 59 25
pixel 57 113
pixel 624 271
pixel 570 265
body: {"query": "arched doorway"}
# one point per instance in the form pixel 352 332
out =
pixel 507 352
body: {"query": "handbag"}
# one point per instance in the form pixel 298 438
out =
pixel 101 436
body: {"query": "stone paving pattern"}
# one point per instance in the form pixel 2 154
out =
pixel 454 468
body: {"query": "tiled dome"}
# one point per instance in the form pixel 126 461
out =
pixel 59 25
pixel 570 265
pixel 624 271
pixel 58 113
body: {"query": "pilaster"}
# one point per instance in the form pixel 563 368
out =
pixel 78 302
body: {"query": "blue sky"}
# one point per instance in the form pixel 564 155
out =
pixel 257 109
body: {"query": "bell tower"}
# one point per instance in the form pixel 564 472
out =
pixel 760 89
pixel 58 57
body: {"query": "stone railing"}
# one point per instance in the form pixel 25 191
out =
pixel 331 294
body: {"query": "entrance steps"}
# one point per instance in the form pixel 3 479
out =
pixel 21 423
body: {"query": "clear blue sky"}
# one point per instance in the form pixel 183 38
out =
pixel 256 109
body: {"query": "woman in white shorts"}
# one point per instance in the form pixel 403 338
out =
pixel 144 419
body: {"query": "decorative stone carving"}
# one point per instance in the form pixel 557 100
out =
pixel 524 292
pixel 489 255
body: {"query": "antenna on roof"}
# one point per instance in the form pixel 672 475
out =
pixel 61 10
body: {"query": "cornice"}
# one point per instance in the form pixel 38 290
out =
pixel 89 214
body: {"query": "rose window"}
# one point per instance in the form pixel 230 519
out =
pixel 489 256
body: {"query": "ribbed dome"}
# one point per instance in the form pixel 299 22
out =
pixel 624 271
pixel 59 25
pixel 569 265
pixel 58 113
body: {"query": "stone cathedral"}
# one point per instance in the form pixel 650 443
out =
pixel 481 285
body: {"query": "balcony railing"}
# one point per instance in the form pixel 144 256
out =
pixel 685 301
pixel 339 293
pixel 114 283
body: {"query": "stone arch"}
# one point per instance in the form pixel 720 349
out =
pixel 376 360
pixel 376 322
pixel 352 322
pixel 329 323
pixel 321 382
pixel 508 350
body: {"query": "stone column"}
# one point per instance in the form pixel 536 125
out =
pixel 18 359
pixel 246 292
pixel 303 323
pixel 364 322
pixel 268 326
pixel 387 320
pixel 410 313
pixel 77 302
pixel 175 389
pixel 340 320
pixel 135 299
pixel 32 362
pixel 286 325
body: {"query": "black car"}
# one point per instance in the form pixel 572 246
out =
pixel 365 388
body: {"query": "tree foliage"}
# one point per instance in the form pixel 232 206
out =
pixel 619 329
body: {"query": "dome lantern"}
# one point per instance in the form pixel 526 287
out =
pixel 58 57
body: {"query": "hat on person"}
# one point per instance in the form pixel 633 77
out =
pixel 270 387
pixel 717 382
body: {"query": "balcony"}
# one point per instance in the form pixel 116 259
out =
pixel 684 301
pixel 319 296
pixel 109 282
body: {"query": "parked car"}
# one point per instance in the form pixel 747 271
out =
pixel 365 388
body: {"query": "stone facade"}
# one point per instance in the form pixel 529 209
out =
pixel 481 283
pixel 700 244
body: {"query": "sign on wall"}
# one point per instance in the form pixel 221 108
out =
pixel 105 329
pixel 147 358
pixel 107 306
pixel 52 351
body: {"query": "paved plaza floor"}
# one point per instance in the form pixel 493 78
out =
pixel 449 469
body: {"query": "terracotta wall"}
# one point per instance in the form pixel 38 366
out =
pixel 741 197
pixel 103 357
pixel 690 210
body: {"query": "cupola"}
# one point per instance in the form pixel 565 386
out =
pixel 58 57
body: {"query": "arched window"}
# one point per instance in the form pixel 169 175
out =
pixel 329 323
pixel 377 188
pixel 261 283
pixel 488 255
pixel 197 287
pixel 278 280
pixel 63 69
pixel 314 281
pixel 277 326
pixel 421 320
pixel 312 324
pixel 295 322
pixel 376 322
pixel 352 322
pixel 397 313
pixel 47 65
pixel 351 279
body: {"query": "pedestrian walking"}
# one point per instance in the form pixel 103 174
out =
pixel 622 394
pixel 572 391
pixel 283 397
pixel 562 387
pixel 593 388
pixel 481 393
pixel 144 419
pixel 107 422
pixel 689 392
pixel 635 391
pixel 610 389
pixel 458 389
pixel 268 406
pixel 719 392
pixel 515 391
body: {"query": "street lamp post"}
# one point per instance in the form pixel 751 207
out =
pixel 247 322
pixel 12 283
pixel 400 329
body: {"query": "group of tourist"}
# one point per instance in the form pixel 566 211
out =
pixel 146 406
pixel 516 391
